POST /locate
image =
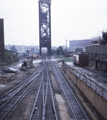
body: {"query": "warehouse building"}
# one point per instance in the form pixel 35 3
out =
pixel 11 56
pixel 6 56
pixel 73 44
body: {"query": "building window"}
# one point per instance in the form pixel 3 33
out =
pixel 92 57
pixel 103 56
pixel 106 56
pixel 96 55
pixel 100 56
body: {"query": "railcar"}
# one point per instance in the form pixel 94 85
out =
pixel 80 59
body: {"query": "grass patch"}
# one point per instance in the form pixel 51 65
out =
pixel 32 67
pixel 58 56
pixel 67 59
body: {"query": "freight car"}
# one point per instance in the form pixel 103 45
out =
pixel 80 59
pixel 97 53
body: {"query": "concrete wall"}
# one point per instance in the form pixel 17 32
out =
pixel 96 100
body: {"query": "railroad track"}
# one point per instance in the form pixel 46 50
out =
pixel 44 107
pixel 74 107
pixel 13 90
pixel 9 101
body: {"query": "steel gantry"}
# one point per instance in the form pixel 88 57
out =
pixel 45 25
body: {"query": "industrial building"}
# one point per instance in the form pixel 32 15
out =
pixel 6 56
pixel 73 44
pixel 11 56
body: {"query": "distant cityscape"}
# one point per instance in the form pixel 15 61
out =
pixel 23 49
pixel 34 49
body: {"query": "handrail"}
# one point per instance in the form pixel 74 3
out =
pixel 101 90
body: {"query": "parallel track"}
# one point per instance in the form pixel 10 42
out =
pixel 13 90
pixel 75 110
pixel 10 100
pixel 44 107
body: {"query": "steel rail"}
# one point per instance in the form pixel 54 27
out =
pixel 64 92
pixel 44 97
pixel 52 97
pixel 73 94
pixel 37 96
pixel 45 91
pixel 25 84
pixel 19 85
pixel 33 109
pixel 16 101
pixel 43 100
pixel 22 95
pixel 56 73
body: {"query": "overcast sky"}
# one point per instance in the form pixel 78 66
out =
pixel 70 19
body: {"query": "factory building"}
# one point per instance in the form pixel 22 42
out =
pixel 6 56
pixel 73 44
pixel 11 56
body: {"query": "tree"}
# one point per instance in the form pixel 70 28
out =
pixel 60 50
pixel 24 55
pixel 53 52
pixel 79 50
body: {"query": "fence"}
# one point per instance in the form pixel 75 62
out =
pixel 90 81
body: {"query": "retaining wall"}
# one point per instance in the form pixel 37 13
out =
pixel 95 93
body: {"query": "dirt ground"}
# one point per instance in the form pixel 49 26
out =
pixel 10 80
pixel 25 106
pixel 63 112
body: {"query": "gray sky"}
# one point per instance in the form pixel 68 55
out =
pixel 70 19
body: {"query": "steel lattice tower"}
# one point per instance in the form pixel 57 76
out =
pixel 45 24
